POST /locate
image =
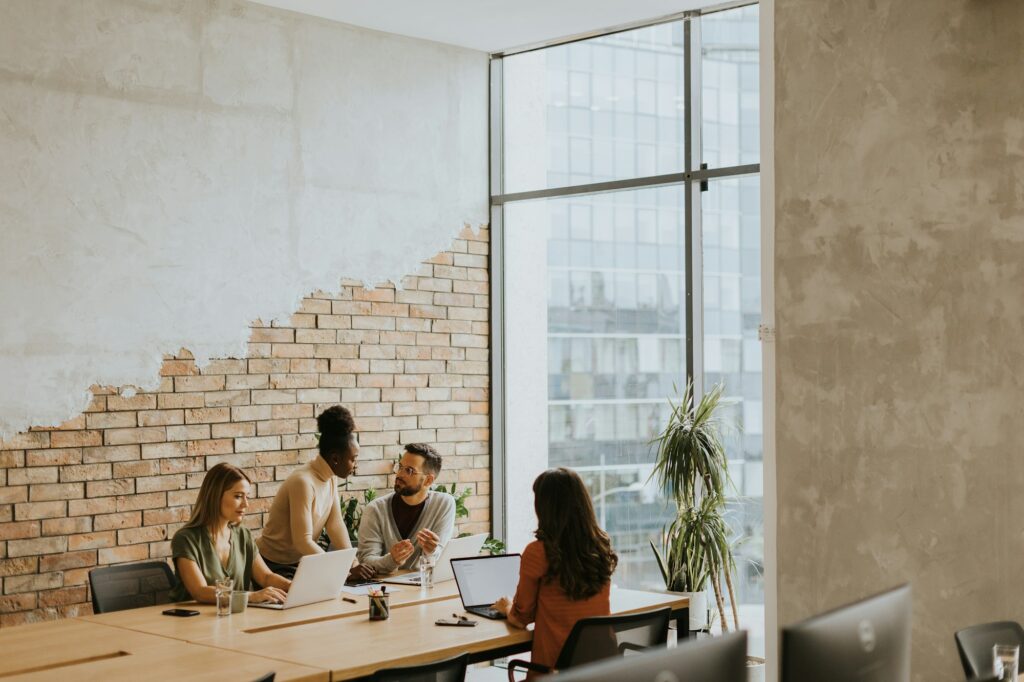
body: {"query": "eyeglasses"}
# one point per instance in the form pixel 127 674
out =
pixel 408 471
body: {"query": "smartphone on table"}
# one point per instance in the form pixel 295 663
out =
pixel 181 613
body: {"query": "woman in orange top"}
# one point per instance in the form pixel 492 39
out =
pixel 565 574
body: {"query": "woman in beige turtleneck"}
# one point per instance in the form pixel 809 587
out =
pixel 307 502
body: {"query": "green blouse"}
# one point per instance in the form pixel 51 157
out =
pixel 196 544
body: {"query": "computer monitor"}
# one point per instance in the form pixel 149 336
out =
pixel 868 641
pixel 717 659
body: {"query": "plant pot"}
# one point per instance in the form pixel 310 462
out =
pixel 698 610
pixel 755 669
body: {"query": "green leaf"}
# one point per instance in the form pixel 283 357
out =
pixel 493 546
pixel 461 511
pixel 691 468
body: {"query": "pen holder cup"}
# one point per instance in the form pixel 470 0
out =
pixel 380 606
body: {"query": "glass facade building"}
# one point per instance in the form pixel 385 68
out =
pixel 614 262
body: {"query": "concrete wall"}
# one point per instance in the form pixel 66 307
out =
pixel 174 169
pixel 899 165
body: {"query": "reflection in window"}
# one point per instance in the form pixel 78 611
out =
pixel 612 108
pixel 605 108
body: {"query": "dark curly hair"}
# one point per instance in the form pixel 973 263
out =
pixel 335 425
pixel 579 553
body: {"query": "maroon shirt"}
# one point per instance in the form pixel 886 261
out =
pixel 405 515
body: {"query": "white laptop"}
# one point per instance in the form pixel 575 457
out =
pixel 483 580
pixel 318 578
pixel 456 548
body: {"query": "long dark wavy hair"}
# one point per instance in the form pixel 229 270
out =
pixel 579 553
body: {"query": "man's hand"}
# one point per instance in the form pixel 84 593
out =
pixel 402 551
pixel 428 540
pixel 360 573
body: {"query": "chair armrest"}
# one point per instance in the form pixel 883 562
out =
pixel 527 665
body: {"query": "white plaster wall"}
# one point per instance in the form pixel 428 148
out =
pixel 173 170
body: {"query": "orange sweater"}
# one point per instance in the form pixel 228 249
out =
pixel 540 600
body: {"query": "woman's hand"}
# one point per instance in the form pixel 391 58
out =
pixel 360 573
pixel 271 594
pixel 504 605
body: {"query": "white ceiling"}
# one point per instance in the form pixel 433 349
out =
pixel 487 25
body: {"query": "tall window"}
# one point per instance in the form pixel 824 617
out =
pixel 626 222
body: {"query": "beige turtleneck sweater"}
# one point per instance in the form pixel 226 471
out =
pixel 305 504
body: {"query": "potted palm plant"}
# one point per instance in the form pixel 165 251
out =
pixel 691 469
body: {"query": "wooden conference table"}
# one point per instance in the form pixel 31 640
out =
pixel 331 640
pixel 74 649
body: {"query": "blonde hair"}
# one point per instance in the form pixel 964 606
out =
pixel 218 480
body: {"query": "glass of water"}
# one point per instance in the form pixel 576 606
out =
pixel 426 571
pixel 1005 660
pixel 222 588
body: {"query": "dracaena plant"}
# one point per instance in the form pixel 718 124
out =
pixel 691 469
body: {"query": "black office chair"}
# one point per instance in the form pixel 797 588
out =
pixel 130 586
pixel 448 670
pixel 594 639
pixel 975 645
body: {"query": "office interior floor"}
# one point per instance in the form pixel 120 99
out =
pixel 486 673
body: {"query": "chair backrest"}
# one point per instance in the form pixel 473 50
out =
pixel 448 670
pixel 129 586
pixel 594 639
pixel 975 645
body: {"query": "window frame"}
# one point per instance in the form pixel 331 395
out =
pixel 693 180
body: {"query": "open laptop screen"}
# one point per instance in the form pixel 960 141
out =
pixel 483 580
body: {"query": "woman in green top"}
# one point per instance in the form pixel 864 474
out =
pixel 214 544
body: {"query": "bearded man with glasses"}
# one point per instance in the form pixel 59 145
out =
pixel 399 527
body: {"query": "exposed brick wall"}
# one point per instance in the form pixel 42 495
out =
pixel 113 484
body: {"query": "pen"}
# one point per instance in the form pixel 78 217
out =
pixel 350 601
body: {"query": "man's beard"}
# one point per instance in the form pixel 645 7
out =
pixel 406 490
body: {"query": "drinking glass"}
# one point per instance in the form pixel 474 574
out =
pixel 239 600
pixel 426 571
pixel 1005 659
pixel 222 588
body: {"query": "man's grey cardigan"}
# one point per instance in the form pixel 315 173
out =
pixel 378 531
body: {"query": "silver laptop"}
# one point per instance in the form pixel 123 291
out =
pixel 483 580
pixel 456 548
pixel 318 578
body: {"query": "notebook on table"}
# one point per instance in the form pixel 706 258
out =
pixel 483 580
pixel 456 548
pixel 318 578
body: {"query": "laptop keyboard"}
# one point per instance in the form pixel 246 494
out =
pixel 486 611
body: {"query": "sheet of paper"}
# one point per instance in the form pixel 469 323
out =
pixel 362 590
